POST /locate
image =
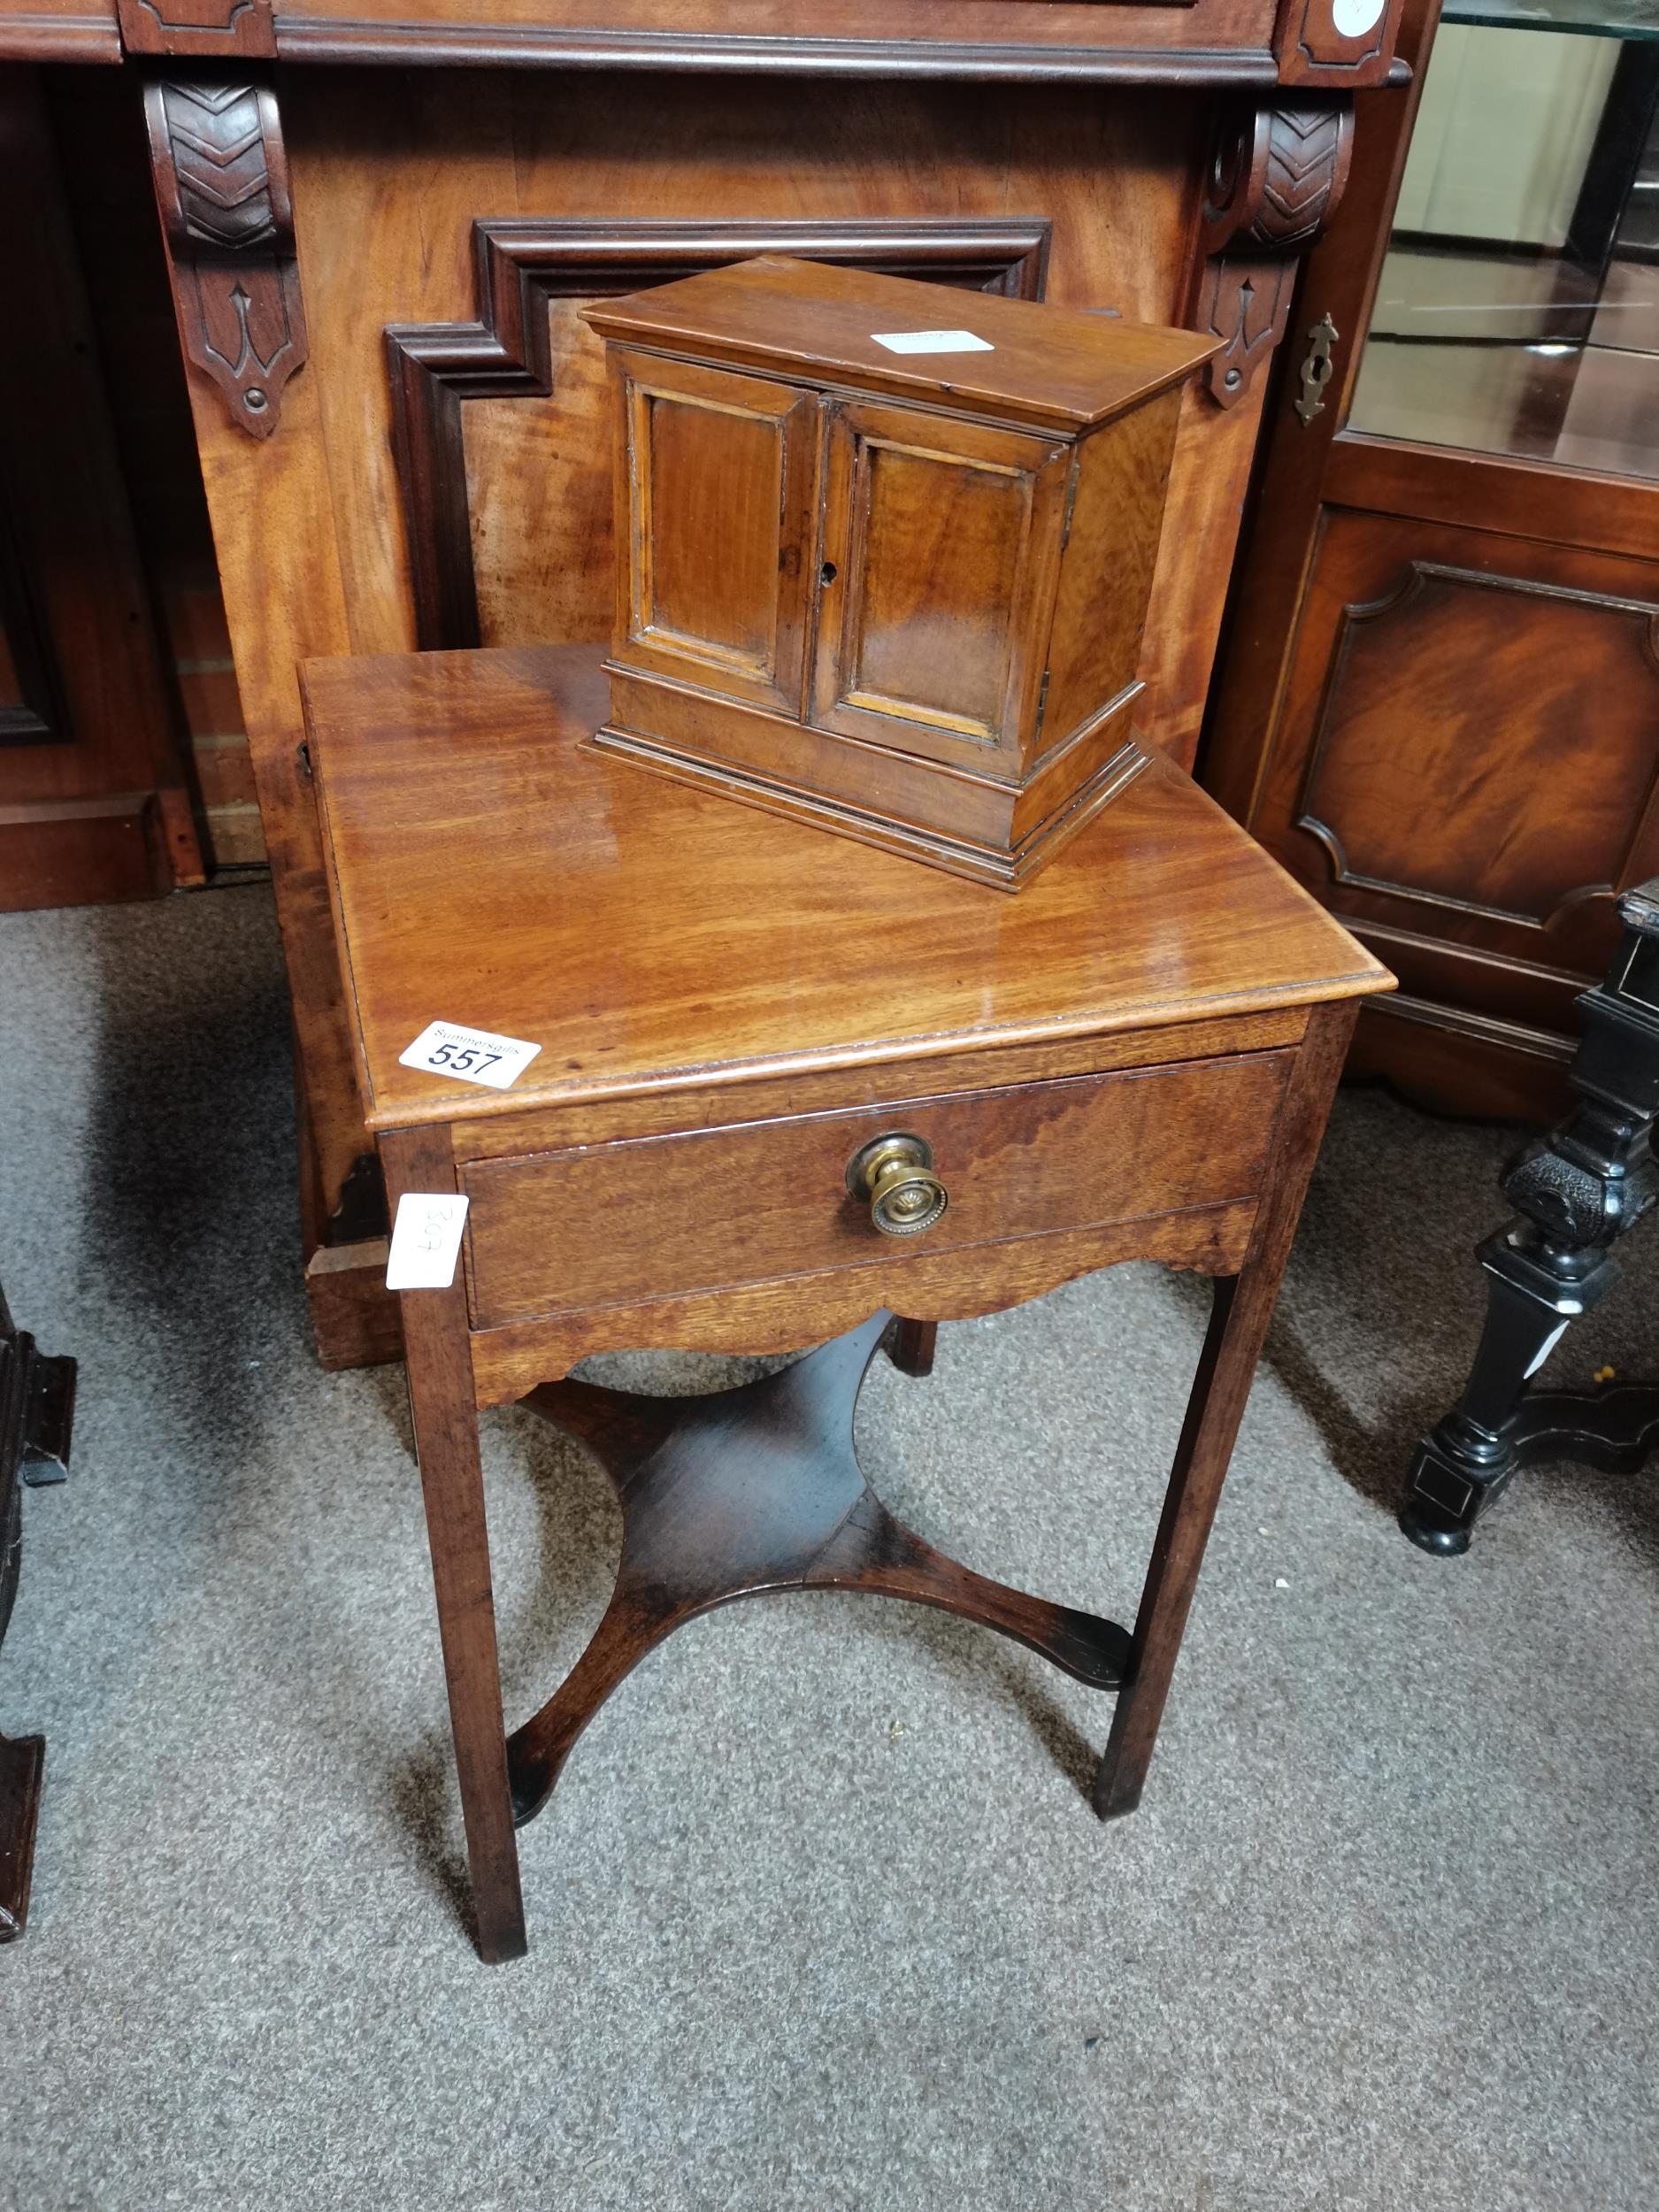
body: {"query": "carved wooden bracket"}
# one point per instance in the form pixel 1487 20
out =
pixel 1274 183
pixel 222 185
pixel 208 28
pixel 523 264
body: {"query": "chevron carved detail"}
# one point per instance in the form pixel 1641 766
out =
pixel 1274 183
pixel 221 181
pixel 1304 157
pixel 218 154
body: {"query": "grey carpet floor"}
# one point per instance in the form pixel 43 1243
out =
pixel 820 1918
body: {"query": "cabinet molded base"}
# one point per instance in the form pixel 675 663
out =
pixel 955 814
pixel 1447 1061
pixel 1006 869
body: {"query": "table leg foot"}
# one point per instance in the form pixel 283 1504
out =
pixel 911 1346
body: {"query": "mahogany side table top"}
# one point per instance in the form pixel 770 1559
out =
pixel 1134 1059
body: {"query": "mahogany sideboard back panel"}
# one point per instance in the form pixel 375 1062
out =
pixel 378 269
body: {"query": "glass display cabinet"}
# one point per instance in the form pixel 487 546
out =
pixel 1440 705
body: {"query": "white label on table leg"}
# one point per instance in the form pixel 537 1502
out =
pixel 426 1240
pixel 469 1056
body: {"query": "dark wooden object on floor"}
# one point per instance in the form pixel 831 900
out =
pixel 1131 1060
pixel 1578 1191
pixel 37 1404
pixel 900 595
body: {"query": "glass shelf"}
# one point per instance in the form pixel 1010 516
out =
pixel 1517 310
pixel 1588 19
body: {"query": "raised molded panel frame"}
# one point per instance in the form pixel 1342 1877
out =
pixel 1356 636
pixel 847 696
pixel 1341 43
pixel 207 28
pixel 523 264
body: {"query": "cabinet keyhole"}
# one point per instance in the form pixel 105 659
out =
pixel 826 574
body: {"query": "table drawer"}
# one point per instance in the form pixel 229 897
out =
pixel 657 1217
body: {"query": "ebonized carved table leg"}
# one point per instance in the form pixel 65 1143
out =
pixel 1577 1191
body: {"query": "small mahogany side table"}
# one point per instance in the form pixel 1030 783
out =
pixel 754 1039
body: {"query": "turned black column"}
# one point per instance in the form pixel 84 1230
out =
pixel 1577 1192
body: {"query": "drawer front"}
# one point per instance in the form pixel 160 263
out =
pixel 654 1218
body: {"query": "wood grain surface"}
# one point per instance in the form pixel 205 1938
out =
pixel 1218 41
pixel 785 1316
pixel 390 170
pixel 1046 369
pixel 395 169
pixel 490 871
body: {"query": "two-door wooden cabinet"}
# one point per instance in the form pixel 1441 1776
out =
pixel 882 576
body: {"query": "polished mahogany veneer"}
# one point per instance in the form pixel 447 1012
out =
pixel 885 566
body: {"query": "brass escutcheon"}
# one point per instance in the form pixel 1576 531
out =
pixel 894 1176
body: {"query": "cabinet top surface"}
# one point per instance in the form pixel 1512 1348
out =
pixel 488 870
pixel 1052 367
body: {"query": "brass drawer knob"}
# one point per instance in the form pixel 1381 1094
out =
pixel 894 1176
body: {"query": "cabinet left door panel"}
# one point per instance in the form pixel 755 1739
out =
pixel 716 502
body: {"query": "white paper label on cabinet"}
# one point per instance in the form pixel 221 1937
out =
pixel 426 1240
pixel 470 1056
pixel 931 342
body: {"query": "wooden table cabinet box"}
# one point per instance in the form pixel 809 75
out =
pixel 885 555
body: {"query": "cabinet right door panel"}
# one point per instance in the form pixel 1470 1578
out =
pixel 940 545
